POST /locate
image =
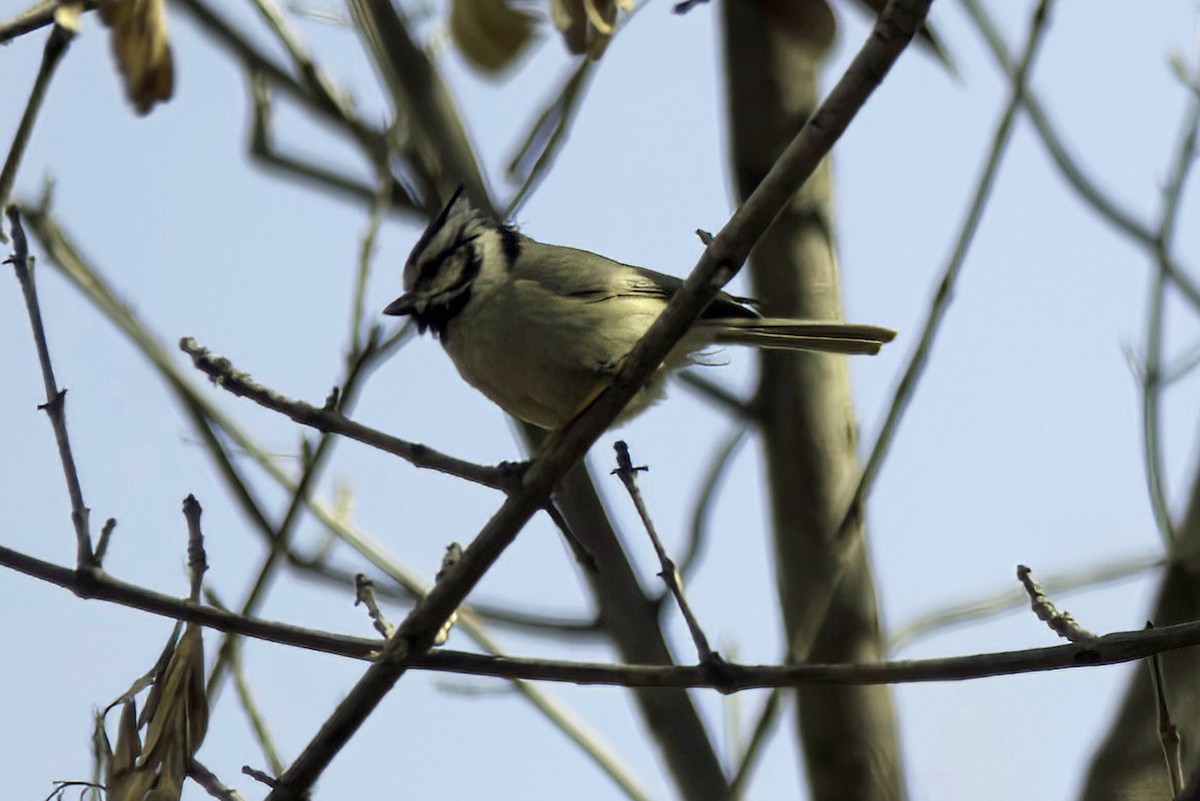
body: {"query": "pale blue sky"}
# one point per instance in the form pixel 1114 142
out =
pixel 1023 444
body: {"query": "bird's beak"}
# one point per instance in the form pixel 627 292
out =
pixel 401 307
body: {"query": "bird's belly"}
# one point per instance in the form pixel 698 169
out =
pixel 546 370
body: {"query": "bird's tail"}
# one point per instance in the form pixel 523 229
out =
pixel 785 334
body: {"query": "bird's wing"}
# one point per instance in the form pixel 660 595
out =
pixel 594 278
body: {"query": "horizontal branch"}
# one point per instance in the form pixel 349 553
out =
pixel 95 583
pixel 1111 649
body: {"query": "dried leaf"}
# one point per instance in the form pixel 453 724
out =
pixel 181 719
pixel 124 779
pixel 142 49
pixel 587 25
pixel 491 33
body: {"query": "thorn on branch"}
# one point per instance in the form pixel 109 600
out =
pixel 1061 623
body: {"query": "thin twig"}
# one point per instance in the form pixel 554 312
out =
pixel 1075 176
pixel 708 494
pixel 1168 732
pixel 547 136
pixel 718 395
pixel 258 722
pixel 330 420
pixel 1151 372
pixel 66 25
pixel 105 538
pixel 366 255
pixel 627 473
pixel 364 593
pixel 55 398
pixel 759 738
pixel 1009 599
pixel 372 142
pixel 261 146
pixel 37 16
pixel 197 562
pixel 211 784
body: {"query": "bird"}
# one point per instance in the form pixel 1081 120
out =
pixel 542 329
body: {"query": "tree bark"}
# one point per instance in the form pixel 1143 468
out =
pixel 847 734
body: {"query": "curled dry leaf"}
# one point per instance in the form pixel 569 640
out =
pixel 177 719
pixel 142 49
pixel 491 33
pixel 587 25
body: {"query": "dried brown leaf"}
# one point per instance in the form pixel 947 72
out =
pixel 587 25
pixel 142 49
pixel 491 33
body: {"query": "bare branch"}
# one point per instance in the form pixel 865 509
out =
pixel 65 27
pixel 1111 649
pixel 669 574
pixel 364 593
pixel 330 420
pixel 211 784
pixel 55 398
pixel 1168 732
pixel 845 543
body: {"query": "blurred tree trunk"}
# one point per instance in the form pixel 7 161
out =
pixel 1129 763
pixel 774 51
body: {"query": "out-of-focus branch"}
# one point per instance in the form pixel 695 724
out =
pixel 328 106
pixel 37 16
pixel 436 144
pixel 65 28
pixel 1107 207
pixel 1129 762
